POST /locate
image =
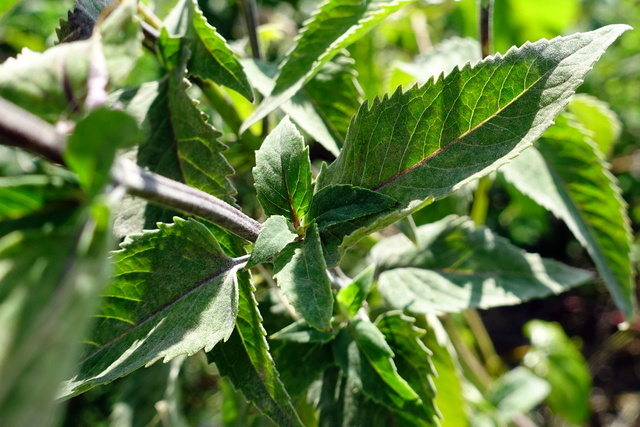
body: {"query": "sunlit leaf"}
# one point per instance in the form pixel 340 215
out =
pixel 275 235
pixel 421 145
pixel 174 292
pixel 596 116
pixel 336 25
pixel 351 297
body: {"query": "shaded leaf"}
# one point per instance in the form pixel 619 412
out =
pixel 301 364
pixel 351 297
pixel 25 195
pixel 554 357
pixel 568 177
pixel 300 270
pixel 421 145
pixel 458 266
pixel 335 25
pixel 275 235
pixel 245 359
pixel 283 173
pixel 211 57
pixel 174 292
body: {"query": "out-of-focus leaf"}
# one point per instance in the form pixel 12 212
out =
pixel 517 392
pixel 445 56
pixel 596 116
pixel 351 297
pixel 27 194
pixel 283 173
pixel 7 5
pixel 412 357
pixel 554 357
pixel 58 81
pixel 301 332
pixel 335 25
pixel 174 292
pixel 458 266
pixel 49 283
pixel 92 146
pixel 568 177
pixel 300 270
pixel 211 57
pixel 245 359
pixel 275 235
pixel 421 145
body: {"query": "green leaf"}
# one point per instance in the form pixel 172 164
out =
pixel 92 146
pixel 568 177
pixel 301 332
pixel 337 204
pixel 283 173
pixel 324 106
pixel 352 296
pixel 596 116
pixel 301 364
pixel 174 292
pixel 93 8
pixel 275 235
pixel 245 359
pixel 412 357
pixel 27 194
pixel 364 356
pixel 458 266
pixel 212 58
pixel 517 392
pixel 50 278
pixel 60 80
pixel 336 25
pixel 300 270
pixel 7 6
pixel 554 357
pixel 421 145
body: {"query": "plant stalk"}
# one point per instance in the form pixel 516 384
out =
pixel 20 128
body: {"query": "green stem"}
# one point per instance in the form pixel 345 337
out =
pixel 486 24
pixel 492 361
pixel 480 206
pixel 474 370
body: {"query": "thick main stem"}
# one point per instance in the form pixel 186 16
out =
pixel 20 128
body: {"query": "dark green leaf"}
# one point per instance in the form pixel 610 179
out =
pixel 301 273
pixel 275 235
pixel 366 359
pixel 301 364
pixel 283 173
pixel 351 297
pixel 336 25
pixel 423 144
pixel 301 332
pixel 211 57
pixel 412 358
pixel 245 359
pixel 458 266
pixel 174 292
pixel 337 204
pixel 92 146
pixel 554 357
pixel 568 177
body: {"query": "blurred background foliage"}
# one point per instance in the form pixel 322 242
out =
pixel 189 391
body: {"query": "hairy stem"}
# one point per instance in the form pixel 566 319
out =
pixel 20 128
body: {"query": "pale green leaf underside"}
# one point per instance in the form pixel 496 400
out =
pixel 457 266
pixel 425 143
pixel 246 360
pixel 212 58
pixel 301 273
pixel 283 173
pixel 275 235
pixel 568 177
pixel 174 292
pixel 336 25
